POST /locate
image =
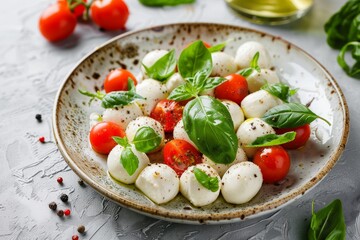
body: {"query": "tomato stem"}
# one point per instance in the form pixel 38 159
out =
pixel 75 3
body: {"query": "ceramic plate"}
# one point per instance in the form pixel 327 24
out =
pixel 309 164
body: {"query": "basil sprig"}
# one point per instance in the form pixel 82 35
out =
pixel 289 115
pixel 116 98
pixel 211 183
pixel 128 159
pixel 146 139
pixel 163 67
pixel 217 48
pixel 354 70
pixel 253 66
pixel 160 3
pixel 328 222
pixel 272 140
pixel 279 90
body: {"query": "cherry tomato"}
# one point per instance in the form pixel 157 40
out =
pixel 109 14
pixel 234 89
pixel 101 136
pixel 78 11
pixel 179 155
pixel 117 80
pixel 302 135
pixel 274 163
pixel 168 113
pixel 57 22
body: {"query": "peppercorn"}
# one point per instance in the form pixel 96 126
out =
pixel 60 213
pixel 64 197
pixel 42 139
pixel 81 229
pixel 67 212
pixel 52 206
pixel 59 180
pixel 38 118
pixel 75 237
pixel 81 183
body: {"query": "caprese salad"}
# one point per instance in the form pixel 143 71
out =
pixel 221 123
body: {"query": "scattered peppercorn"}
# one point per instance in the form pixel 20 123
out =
pixel 60 213
pixel 42 139
pixel 81 183
pixel 67 212
pixel 38 118
pixel 81 229
pixel 52 206
pixel 59 180
pixel 64 197
pixel 75 237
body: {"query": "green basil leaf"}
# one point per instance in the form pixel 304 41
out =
pixel 121 141
pixel 98 95
pixel 160 3
pixel 131 85
pixel 146 139
pixel 211 183
pixel 208 123
pixel 328 223
pixel 273 140
pixel 198 81
pixel 253 66
pixel 129 160
pixel 353 71
pixel 211 83
pixel 162 68
pixel 217 48
pixel 183 92
pixel 279 90
pixel 119 98
pixel 194 59
pixel 290 115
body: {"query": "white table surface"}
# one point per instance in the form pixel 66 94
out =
pixel 31 70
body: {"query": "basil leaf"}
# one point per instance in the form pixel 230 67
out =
pixel 217 48
pixel 253 66
pixel 119 98
pixel 183 92
pixel 129 160
pixel 146 139
pixel 290 115
pixel 211 83
pixel 193 59
pixel 328 223
pixel 160 3
pixel 98 95
pixel 273 140
pixel 121 141
pixel 131 85
pixel 208 123
pixel 211 183
pixel 162 68
pixel 198 81
pixel 279 90
pixel 353 71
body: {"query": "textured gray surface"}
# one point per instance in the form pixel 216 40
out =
pixel 31 71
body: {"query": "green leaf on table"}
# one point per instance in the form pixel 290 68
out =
pixel 161 3
pixel 352 71
pixel 211 183
pixel 273 140
pixel 163 67
pixel 146 139
pixel 129 160
pixel 279 90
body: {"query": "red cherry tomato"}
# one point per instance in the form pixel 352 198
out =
pixel 117 80
pixel 57 22
pixel 302 135
pixel 234 89
pixel 109 14
pixel 101 136
pixel 274 163
pixel 179 155
pixel 168 113
pixel 78 11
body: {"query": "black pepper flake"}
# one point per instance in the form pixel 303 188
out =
pixel 52 206
pixel 60 213
pixel 81 183
pixel 64 197
pixel 81 229
pixel 38 118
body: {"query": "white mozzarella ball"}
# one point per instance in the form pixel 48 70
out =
pixel 223 64
pixel 151 58
pixel 143 121
pixel 258 103
pixel 117 170
pixel 235 111
pixel 196 193
pixel 249 131
pixel 257 79
pixel 122 115
pixel 208 92
pixel 159 182
pixel 94 119
pixel 139 77
pixel 180 133
pixel 241 182
pixel 220 167
pixel 246 52
pixel 174 81
pixel 153 91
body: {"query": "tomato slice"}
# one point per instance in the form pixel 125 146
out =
pixel 168 113
pixel 274 163
pixel 302 136
pixel 117 80
pixel 234 89
pixel 101 136
pixel 179 155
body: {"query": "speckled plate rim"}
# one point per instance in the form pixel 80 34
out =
pixel 213 218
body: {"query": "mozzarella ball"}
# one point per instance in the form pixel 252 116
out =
pixel 116 168
pixel 139 77
pixel 174 81
pixel 153 91
pixel 208 92
pixel 143 121
pixel 221 168
pixel 258 103
pixel 223 64
pixel 180 133
pixel 159 182
pixel 249 131
pixel 151 58
pixel 257 79
pixel 235 111
pixel 241 182
pixel 196 193
pixel 94 119
pixel 122 115
pixel 246 52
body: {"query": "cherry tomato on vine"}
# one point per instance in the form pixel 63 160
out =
pixel 168 113
pixel 302 135
pixel 57 22
pixel 274 163
pixel 109 14
pixel 179 155
pixel 234 89
pixel 78 11
pixel 117 80
pixel 101 136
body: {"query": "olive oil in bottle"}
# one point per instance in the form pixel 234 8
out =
pixel 271 11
